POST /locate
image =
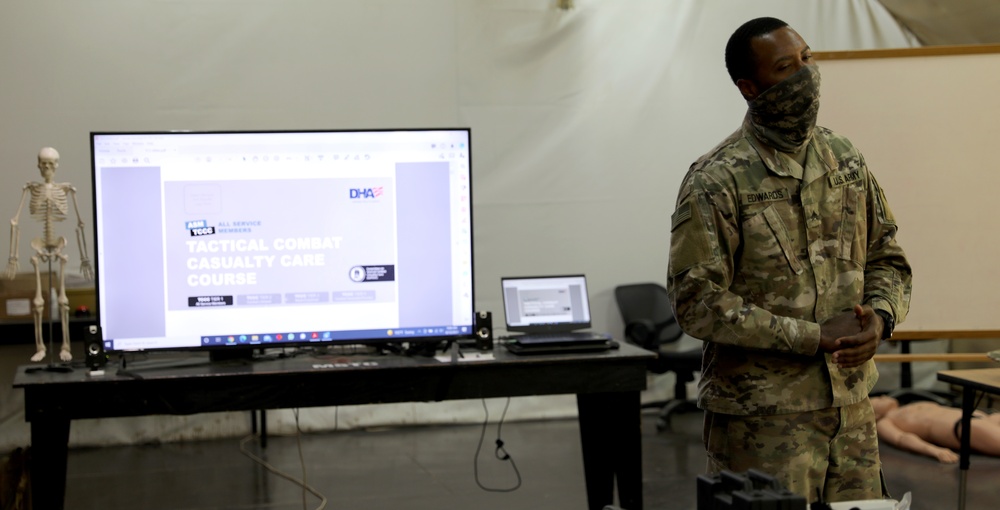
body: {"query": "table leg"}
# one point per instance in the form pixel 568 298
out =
pixel 263 428
pixel 259 416
pixel 965 450
pixel 611 437
pixel 49 440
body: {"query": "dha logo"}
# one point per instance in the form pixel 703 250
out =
pixel 366 192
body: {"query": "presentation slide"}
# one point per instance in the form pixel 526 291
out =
pixel 278 243
pixel 546 304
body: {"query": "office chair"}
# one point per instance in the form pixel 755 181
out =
pixel 650 324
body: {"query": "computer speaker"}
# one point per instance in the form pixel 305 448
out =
pixel 93 344
pixel 484 331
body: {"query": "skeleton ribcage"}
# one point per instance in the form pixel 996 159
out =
pixel 48 203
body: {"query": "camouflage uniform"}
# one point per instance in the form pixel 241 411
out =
pixel 763 250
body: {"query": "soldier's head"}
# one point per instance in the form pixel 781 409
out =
pixel 774 70
pixel 763 52
pixel 48 162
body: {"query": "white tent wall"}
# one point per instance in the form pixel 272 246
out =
pixel 583 123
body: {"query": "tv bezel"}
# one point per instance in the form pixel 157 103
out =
pixel 421 344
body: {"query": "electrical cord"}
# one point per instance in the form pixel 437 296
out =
pixel 302 460
pixel 301 483
pixel 499 452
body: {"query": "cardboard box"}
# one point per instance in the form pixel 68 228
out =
pixel 16 296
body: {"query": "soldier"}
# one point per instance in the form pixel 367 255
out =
pixel 783 260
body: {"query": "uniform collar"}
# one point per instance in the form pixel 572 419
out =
pixel 817 147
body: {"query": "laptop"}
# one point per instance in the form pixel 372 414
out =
pixel 552 313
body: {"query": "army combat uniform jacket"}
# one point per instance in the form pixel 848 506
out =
pixel 762 251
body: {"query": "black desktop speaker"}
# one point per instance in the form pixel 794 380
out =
pixel 93 344
pixel 484 331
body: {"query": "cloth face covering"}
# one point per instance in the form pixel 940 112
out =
pixel 785 114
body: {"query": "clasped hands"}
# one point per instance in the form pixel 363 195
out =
pixel 852 337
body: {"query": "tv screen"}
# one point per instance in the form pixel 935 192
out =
pixel 216 240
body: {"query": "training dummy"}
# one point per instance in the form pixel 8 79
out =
pixel 48 203
pixel 934 430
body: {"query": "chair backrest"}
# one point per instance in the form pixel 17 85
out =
pixel 648 302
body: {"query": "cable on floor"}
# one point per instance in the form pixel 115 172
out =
pixel 500 452
pixel 301 483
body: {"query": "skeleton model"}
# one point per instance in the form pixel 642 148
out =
pixel 49 204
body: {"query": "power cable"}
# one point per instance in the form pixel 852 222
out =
pixel 301 483
pixel 499 452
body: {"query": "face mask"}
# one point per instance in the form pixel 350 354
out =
pixel 785 114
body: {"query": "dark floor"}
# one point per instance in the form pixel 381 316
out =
pixel 432 468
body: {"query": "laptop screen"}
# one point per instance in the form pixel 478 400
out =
pixel 540 304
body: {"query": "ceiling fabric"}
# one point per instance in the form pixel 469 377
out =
pixel 948 22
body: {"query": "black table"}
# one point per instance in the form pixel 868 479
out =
pixel 971 381
pixel 607 385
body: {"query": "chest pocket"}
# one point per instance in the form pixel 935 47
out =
pixel 768 250
pixel 853 235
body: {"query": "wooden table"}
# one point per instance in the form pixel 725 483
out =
pixel 607 386
pixel 972 381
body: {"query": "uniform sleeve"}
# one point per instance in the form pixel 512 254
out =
pixel 705 236
pixel 888 277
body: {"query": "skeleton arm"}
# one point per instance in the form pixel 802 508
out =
pixel 81 241
pixel 15 232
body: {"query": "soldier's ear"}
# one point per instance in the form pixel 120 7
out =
pixel 748 88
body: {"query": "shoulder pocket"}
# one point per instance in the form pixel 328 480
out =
pixel 693 238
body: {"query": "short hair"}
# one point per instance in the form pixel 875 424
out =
pixel 740 59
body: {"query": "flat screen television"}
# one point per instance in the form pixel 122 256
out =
pixel 222 240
